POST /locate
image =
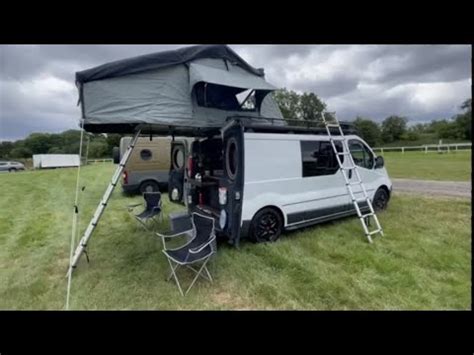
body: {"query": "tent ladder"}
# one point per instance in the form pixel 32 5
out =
pixel 103 203
pixel 364 218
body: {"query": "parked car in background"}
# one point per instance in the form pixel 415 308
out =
pixel 11 166
pixel 148 167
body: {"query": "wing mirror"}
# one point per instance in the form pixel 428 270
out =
pixel 379 162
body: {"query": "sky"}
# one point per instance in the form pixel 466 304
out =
pixel 420 82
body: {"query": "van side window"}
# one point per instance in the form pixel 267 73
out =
pixel 318 158
pixel 361 154
pixel 145 154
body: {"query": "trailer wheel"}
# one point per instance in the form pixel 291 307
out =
pixel 380 199
pixel 266 226
pixel 149 186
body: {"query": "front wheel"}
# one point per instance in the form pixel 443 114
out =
pixel 380 200
pixel 12 170
pixel 266 226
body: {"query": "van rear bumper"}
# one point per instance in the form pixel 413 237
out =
pixel 130 188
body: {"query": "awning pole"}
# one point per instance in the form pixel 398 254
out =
pixel 75 215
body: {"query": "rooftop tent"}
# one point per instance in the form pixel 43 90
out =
pixel 196 86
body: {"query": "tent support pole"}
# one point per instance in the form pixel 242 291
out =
pixel 101 207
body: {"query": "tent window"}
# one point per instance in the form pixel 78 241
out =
pixel 225 97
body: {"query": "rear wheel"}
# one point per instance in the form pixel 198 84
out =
pixel 380 200
pixel 149 186
pixel 12 170
pixel 266 226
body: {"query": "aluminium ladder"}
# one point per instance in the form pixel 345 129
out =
pixel 364 218
pixel 81 248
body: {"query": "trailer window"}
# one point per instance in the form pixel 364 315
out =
pixel 318 158
pixel 361 154
pixel 145 154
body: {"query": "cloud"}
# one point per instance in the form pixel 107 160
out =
pixel 422 82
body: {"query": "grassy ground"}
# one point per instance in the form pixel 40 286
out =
pixel 424 262
pixel 431 166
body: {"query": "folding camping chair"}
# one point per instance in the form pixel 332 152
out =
pixel 152 211
pixel 198 249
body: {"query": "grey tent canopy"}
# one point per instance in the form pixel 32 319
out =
pixel 193 87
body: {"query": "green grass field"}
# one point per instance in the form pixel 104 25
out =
pixel 431 166
pixel 424 262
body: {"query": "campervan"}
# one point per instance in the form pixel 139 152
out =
pixel 148 168
pixel 257 181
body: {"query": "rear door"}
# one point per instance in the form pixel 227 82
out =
pixel 177 169
pixel 233 143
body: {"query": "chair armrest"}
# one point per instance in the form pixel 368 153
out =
pixel 172 235
pixel 201 247
pixel 164 236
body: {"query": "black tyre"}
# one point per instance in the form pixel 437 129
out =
pixel 266 226
pixel 149 186
pixel 380 200
pixel 12 170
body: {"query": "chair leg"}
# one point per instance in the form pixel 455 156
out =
pixel 202 275
pixel 175 277
pixel 197 275
pixel 208 274
pixel 171 273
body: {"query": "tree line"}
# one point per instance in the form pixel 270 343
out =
pixel 96 146
pixel 294 106
pixel 308 107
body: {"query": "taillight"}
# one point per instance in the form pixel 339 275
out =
pixel 125 177
pixel 201 199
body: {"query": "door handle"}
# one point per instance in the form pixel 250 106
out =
pixel 350 174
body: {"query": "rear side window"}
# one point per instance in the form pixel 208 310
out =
pixel 318 158
pixel 361 155
pixel 145 154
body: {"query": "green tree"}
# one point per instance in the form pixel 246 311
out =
pixel 393 128
pixel 463 121
pixel 311 107
pixel 5 149
pixel 294 106
pixel 368 130
pixel 288 102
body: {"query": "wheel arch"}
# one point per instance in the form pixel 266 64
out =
pixel 387 190
pixel 273 207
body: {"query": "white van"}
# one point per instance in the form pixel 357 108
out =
pixel 259 180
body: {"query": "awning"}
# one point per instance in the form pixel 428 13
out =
pixel 234 78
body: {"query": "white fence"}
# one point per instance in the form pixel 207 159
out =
pixel 94 161
pixel 430 148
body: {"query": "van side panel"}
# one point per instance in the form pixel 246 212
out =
pixel 273 177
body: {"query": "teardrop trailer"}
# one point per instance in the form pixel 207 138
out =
pixel 248 169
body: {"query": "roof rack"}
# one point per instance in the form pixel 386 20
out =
pixel 280 125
